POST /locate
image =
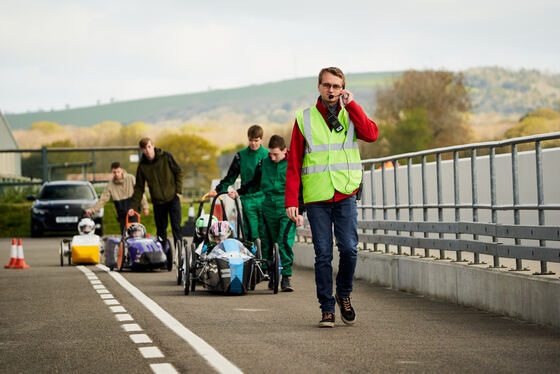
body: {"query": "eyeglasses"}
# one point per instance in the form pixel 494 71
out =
pixel 334 86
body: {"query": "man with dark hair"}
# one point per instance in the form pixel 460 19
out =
pixel 244 163
pixel 324 157
pixel 165 181
pixel 270 178
pixel 120 190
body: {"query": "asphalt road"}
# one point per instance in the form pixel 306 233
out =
pixel 58 319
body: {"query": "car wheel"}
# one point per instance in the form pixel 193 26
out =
pixel 178 260
pixel 121 257
pixel 275 271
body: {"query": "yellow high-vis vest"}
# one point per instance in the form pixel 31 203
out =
pixel 331 159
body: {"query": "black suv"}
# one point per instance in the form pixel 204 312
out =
pixel 60 205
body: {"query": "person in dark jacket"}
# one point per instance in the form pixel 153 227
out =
pixel 165 182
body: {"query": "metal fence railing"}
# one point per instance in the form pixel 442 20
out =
pixel 445 208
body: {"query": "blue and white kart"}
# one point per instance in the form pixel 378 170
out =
pixel 231 266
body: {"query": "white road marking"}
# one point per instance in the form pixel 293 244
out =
pixel 213 357
pixel 163 369
pixel 251 310
pixel 151 352
pixel 130 327
pixel 117 309
pixel 124 317
pixel 140 338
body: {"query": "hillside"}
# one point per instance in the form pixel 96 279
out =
pixel 271 102
pixel 493 90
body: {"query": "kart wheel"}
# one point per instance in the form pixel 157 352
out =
pixel 69 254
pixel 192 268
pixel 253 281
pixel 187 274
pixel 275 271
pixel 169 256
pixel 179 261
pixel 61 253
pixel 121 256
pixel 258 244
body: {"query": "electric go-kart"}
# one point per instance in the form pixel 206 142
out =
pixel 135 250
pixel 83 248
pixel 220 259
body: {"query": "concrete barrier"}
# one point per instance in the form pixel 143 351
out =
pixel 515 294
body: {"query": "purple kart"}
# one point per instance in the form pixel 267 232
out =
pixel 136 251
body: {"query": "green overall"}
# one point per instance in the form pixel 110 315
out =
pixel 277 228
pixel 243 165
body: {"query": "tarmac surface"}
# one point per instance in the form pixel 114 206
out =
pixel 60 319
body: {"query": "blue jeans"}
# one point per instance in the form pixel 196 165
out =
pixel 343 215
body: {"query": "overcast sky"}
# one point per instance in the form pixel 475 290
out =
pixel 58 53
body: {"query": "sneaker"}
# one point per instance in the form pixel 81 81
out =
pixel 270 283
pixel 346 311
pixel 285 286
pixel 327 320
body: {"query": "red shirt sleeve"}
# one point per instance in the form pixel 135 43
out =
pixel 366 129
pixel 293 172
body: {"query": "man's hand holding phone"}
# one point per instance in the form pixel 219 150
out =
pixel 346 97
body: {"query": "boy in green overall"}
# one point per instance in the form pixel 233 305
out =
pixel 244 163
pixel 270 178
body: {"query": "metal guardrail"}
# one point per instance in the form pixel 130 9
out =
pixel 416 234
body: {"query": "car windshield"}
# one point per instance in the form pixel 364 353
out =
pixel 66 192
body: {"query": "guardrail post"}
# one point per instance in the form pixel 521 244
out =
pixel 410 209
pixel 384 194
pixel 458 253
pixel 397 212
pixel 424 202
pixel 493 198
pixel 540 198
pixel 373 211
pixel 439 199
pixel 45 163
pixel 93 166
pixel 474 199
pixel 515 187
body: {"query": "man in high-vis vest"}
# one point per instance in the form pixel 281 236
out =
pixel 324 157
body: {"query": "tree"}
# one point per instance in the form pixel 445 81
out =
pixel 539 121
pixel 195 155
pixel 411 133
pixel 430 102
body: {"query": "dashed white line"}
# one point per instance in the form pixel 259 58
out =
pixel 97 281
pixel 117 309
pixel 163 369
pixel 98 287
pixel 107 296
pixel 213 357
pixel 129 327
pixel 111 302
pixel 124 317
pixel 103 290
pixel 140 338
pixel 150 352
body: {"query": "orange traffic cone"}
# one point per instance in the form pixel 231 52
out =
pixel 20 262
pixel 13 255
